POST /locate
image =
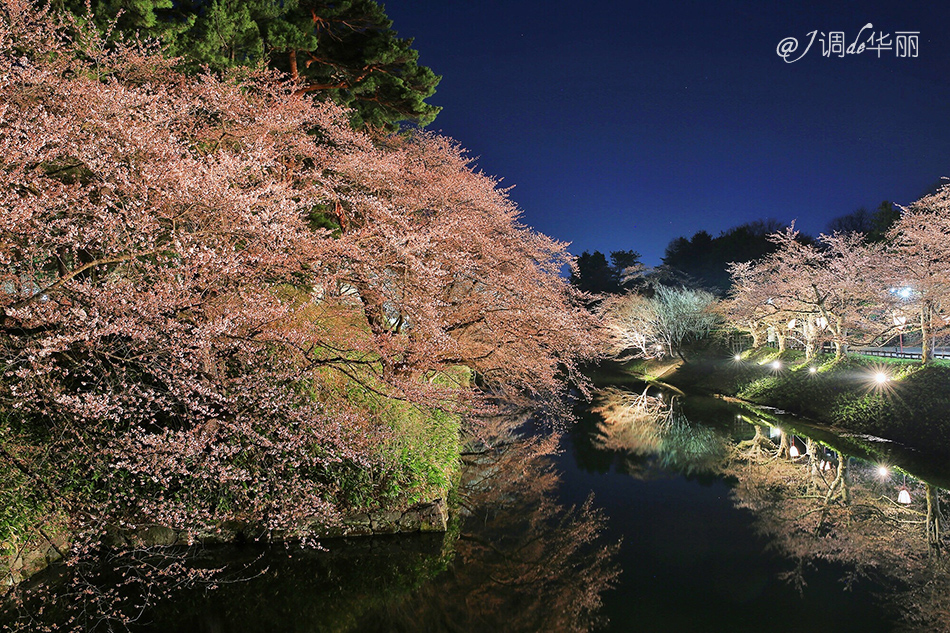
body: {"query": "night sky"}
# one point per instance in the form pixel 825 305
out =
pixel 622 125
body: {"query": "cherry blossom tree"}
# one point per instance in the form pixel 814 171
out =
pixel 631 325
pixel 919 258
pixel 213 290
pixel 752 307
pixel 834 285
pixel 458 278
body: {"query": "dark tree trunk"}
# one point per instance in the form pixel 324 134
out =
pixel 926 350
pixel 933 519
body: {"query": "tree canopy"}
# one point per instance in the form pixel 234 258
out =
pixel 847 288
pixel 593 274
pixel 220 302
pixel 343 50
pixel 658 326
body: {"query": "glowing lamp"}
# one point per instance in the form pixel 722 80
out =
pixel 738 357
pixel 903 496
pixel 882 471
pixel 880 378
pixel 776 365
pixel 793 451
pixel 812 370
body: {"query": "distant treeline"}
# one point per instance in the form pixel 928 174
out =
pixel 702 261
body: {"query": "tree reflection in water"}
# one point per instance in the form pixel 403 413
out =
pixel 523 562
pixel 514 560
pixel 821 507
pixel 644 425
pixel 847 512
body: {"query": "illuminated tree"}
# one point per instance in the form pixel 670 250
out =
pixel 631 323
pixel 219 302
pixel 834 285
pixel 750 306
pixel 920 260
pixel 661 325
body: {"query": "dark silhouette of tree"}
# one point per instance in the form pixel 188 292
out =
pixel 858 221
pixel 704 260
pixel 873 224
pixel 344 50
pixel 595 275
pixel 627 269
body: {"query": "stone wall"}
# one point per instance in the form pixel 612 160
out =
pixel 427 516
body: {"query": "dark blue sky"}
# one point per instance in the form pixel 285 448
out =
pixel 623 125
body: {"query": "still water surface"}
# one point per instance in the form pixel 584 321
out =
pixel 694 561
pixel 687 530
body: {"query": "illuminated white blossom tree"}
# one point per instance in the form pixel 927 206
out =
pixel 919 258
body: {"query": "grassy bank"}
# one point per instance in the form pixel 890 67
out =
pixel 415 458
pixel 899 400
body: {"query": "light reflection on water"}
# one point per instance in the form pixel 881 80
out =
pixel 824 539
pixel 721 529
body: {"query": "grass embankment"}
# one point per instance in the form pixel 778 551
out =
pixel 418 455
pixel 416 458
pixel 900 400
